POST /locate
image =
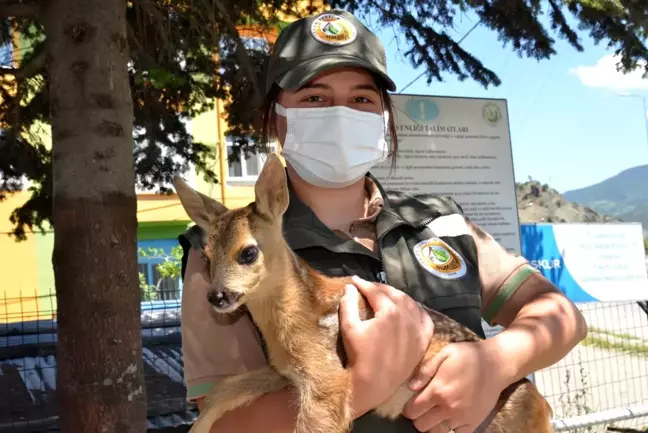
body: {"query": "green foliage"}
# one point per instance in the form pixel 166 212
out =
pixel 170 267
pixel 185 54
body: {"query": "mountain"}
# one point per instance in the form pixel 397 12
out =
pixel 540 203
pixel 624 196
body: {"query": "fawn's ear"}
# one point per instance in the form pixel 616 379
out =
pixel 271 188
pixel 200 208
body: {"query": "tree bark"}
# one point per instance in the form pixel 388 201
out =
pixel 99 354
pixel 14 9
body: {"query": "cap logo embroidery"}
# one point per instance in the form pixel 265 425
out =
pixel 439 259
pixel 333 29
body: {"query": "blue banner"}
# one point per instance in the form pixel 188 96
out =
pixel 589 262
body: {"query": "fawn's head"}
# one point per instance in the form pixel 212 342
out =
pixel 245 246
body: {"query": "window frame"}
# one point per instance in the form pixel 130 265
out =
pixel 261 156
pixel 167 245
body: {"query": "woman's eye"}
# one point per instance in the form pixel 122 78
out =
pixel 362 100
pixel 314 99
pixel 248 255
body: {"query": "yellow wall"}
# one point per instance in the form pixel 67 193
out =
pixel 27 276
pixel 19 296
pixel 209 128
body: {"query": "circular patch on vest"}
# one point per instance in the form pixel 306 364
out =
pixel 439 259
pixel 333 29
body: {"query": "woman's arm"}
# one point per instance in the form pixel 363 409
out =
pixel 273 413
pixel 461 385
pixel 542 327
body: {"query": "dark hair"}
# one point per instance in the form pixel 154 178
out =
pixel 268 117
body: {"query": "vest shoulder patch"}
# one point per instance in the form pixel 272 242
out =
pixel 449 225
pixel 440 259
pixel 414 208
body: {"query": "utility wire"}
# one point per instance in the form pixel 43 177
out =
pixel 460 41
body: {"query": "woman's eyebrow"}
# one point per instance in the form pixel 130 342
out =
pixel 366 87
pixel 313 86
pixel 306 86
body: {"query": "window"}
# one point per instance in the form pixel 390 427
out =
pixel 159 268
pixel 6 55
pixel 246 166
pixel 256 43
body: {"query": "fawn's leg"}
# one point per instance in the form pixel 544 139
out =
pixel 393 406
pixel 521 409
pixel 234 392
pixel 325 403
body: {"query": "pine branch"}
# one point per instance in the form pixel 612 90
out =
pixel 241 52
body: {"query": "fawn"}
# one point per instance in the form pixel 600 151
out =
pixel 292 304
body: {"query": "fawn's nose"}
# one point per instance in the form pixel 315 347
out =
pixel 222 298
pixel 216 297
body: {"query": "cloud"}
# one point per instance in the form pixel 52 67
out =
pixel 604 75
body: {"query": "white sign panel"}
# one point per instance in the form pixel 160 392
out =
pixel 457 147
pixel 590 262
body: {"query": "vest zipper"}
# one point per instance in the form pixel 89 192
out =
pixel 425 222
pixel 403 223
pixel 383 272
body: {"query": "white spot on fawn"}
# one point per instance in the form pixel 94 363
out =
pixel 329 322
pixel 331 327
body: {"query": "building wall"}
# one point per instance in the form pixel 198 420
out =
pixel 19 285
pixel 27 289
pixel 26 273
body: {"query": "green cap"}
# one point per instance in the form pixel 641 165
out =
pixel 331 39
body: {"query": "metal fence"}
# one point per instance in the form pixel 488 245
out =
pixel 600 386
pixel 28 366
pixel 604 381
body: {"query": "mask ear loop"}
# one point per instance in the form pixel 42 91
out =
pixel 290 127
pixel 280 109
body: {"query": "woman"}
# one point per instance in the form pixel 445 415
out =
pixel 327 102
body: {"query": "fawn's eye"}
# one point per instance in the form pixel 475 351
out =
pixel 248 255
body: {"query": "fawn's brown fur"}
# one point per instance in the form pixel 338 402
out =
pixel 296 308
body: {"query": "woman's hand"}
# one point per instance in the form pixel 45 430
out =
pixel 384 350
pixel 465 386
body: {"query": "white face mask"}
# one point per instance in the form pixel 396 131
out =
pixel 333 147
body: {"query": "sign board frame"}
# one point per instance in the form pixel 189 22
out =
pixel 465 145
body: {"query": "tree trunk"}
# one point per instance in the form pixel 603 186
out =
pixel 99 354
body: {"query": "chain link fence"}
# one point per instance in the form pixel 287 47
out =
pixel 603 382
pixel 600 386
pixel 28 366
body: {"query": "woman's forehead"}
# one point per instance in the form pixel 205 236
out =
pixel 347 75
pixel 339 80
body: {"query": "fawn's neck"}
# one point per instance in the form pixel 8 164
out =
pixel 287 302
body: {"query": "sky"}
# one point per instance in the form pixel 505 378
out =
pixel 569 126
